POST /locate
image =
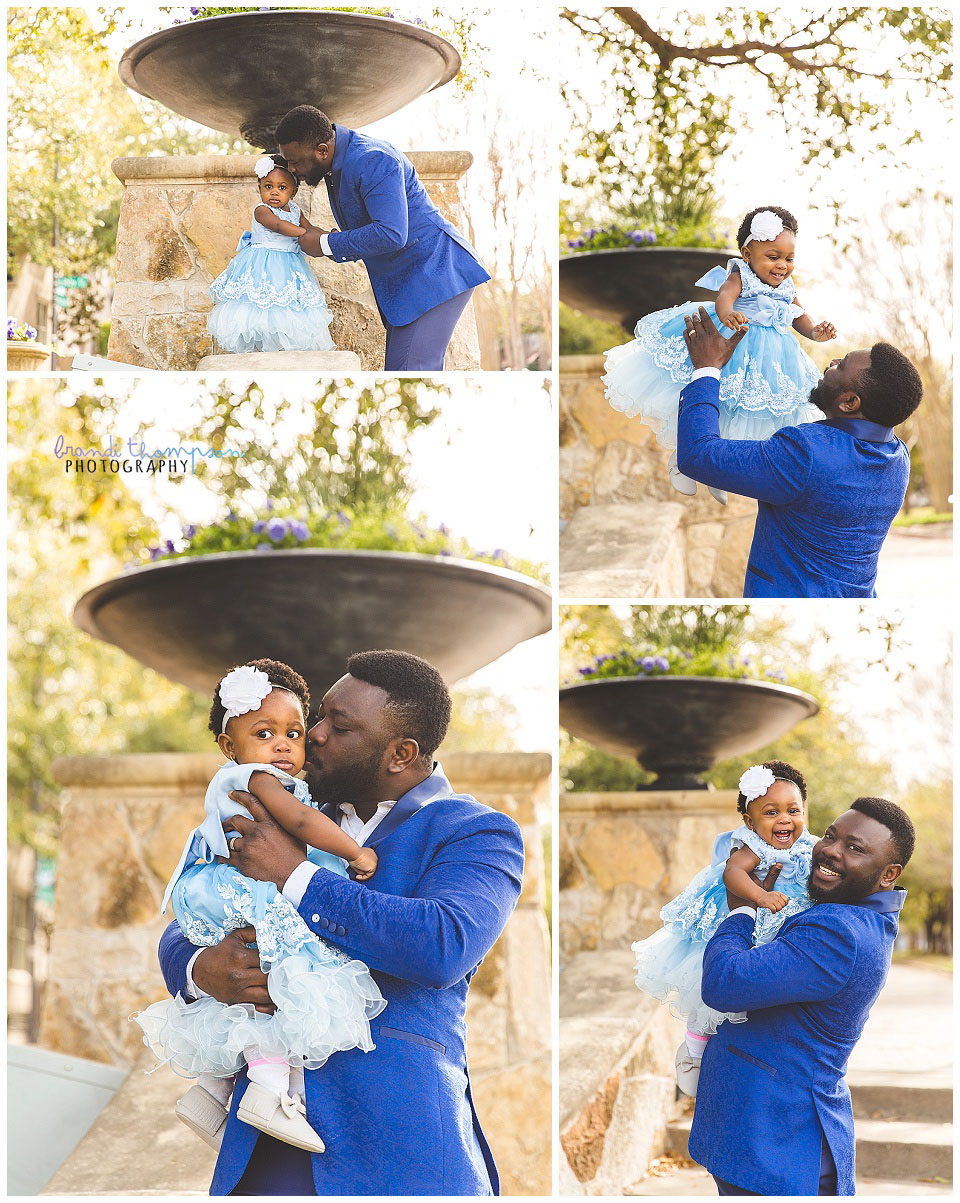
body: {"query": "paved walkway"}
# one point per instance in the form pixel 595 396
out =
pixel 916 561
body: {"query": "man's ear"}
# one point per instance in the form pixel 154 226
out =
pixel 890 875
pixel 849 404
pixel 403 753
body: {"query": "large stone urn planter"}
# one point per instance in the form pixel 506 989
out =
pixel 242 72
pixel 624 285
pixel 26 356
pixel 678 727
pixel 192 619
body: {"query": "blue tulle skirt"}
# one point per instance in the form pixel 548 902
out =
pixel 269 300
pixel 765 384
pixel 325 999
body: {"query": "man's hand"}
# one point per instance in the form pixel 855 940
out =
pixel 231 973
pixel 822 332
pixel 310 242
pixel 365 865
pixel 733 901
pixel 706 346
pixel 265 851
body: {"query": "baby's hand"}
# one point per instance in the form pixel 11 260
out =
pixel 365 865
pixel 772 900
pixel 733 321
pixel 823 332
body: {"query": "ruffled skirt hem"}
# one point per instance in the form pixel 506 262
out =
pixel 670 970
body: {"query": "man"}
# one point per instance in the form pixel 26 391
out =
pixel 828 490
pixel 422 271
pixel 773 1112
pixel 398 1120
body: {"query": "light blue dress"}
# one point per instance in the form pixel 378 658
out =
pixel 764 385
pixel 267 298
pixel 325 1000
pixel 670 962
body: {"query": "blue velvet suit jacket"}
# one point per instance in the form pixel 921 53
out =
pixel 414 257
pixel 400 1119
pixel 827 493
pixel 769 1086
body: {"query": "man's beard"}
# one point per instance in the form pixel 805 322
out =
pixel 313 176
pixel 822 396
pixel 350 783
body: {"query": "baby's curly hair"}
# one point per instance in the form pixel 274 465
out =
pixel 787 218
pixel 779 768
pixel 278 674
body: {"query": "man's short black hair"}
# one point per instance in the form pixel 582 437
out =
pixel 304 124
pixel 781 769
pixel 419 701
pixel 278 673
pixel 890 388
pixel 788 219
pixel 897 822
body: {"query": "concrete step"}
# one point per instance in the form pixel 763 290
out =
pixel 889 1100
pixel 282 361
pixel 691 1181
pixel 897 1150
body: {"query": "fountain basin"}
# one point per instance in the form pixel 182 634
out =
pixel 193 619
pixel 625 284
pixel 678 727
pixel 242 72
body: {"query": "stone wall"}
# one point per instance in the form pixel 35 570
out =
pixel 609 459
pixel 180 219
pixel 622 856
pixel 125 819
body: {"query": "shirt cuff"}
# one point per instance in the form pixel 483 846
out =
pixel 191 990
pixel 713 373
pixel 744 910
pixel 325 245
pixel 296 884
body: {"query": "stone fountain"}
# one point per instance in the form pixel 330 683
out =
pixel 181 216
pixel 125 819
pixel 622 857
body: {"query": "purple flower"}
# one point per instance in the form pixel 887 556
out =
pixel 189 531
pixel 11 326
pixel 168 547
pixel 647 663
pixel 343 519
pixel 276 529
pixel 298 529
pixel 155 553
pixel 259 527
pixel 662 663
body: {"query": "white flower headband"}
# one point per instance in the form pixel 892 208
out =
pixel 243 689
pixel 765 227
pixel 263 166
pixel 756 781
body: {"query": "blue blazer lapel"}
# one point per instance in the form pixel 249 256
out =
pixel 336 169
pixel 433 787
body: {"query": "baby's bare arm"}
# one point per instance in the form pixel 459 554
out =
pixel 302 821
pixel 726 299
pixel 269 220
pixel 819 332
pixel 737 879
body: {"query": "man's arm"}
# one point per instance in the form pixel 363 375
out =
pixel 443 931
pixel 810 961
pixel 385 199
pixel 773 470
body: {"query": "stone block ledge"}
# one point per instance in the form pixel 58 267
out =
pixel 172 169
pixel 618 550
pixel 691 801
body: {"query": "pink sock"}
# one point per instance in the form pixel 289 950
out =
pixel 272 1073
pixel 696 1042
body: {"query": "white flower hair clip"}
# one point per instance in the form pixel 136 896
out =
pixel 756 781
pixel 765 227
pixel 263 166
pixel 242 690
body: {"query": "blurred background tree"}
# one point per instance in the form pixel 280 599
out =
pixel 830 749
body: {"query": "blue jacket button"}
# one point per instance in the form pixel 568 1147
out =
pixel 324 922
pixel 341 931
